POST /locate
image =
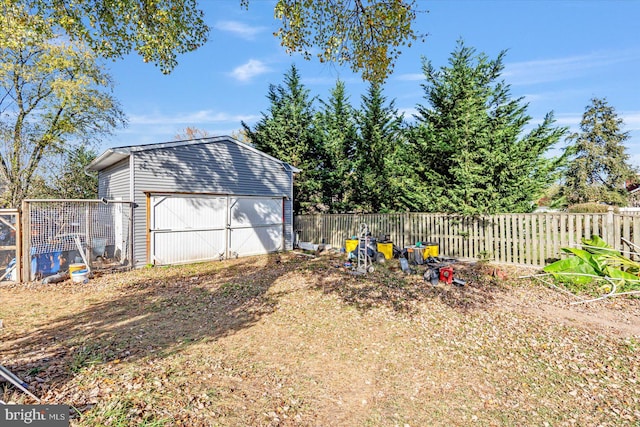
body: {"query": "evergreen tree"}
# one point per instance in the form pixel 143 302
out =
pixel 599 166
pixel 469 142
pixel 337 129
pixel 287 132
pixel 377 162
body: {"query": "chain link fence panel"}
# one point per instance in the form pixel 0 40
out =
pixel 61 233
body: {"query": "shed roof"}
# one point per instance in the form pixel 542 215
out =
pixel 113 155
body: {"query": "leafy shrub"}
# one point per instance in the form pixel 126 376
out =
pixel 595 262
pixel 591 208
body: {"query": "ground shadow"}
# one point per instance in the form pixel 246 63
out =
pixel 150 317
pixel 167 310
pixel 389 287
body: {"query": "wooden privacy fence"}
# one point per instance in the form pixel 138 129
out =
pixel 533 239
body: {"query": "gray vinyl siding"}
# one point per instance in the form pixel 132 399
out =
pixel 221 167
pixel 113 182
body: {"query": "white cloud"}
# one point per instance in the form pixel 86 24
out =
pixel 201 117
pixel 249 70
pixel 408 112
pixel 239 29
pixel 152 134
pixel 549 70
pixel 631 120
pixel 410 77
pixel 634 159
pixel 570 119
pixel 161 127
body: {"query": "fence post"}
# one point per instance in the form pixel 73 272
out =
pixel 529 238
pixel 132 206
pixel 610 232
pixel 318 229
pixel 18 265
pixel 26 243
pixel 87 230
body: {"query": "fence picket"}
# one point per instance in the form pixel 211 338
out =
pixel 521 239
pixel 626 230
pixel 477 239
pixel 511 238
pixel 563 231
pixel 555 247
pixel 531 240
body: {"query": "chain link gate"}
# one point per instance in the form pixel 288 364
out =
pixel 10 245
pixel 58 233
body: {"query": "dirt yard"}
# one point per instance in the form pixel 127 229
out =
pixel 291 340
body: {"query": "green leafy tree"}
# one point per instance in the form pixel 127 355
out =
pixel 287 132
pixel 158 30
pixel 63 176
pixel 378 170
pixel 337 130
pixel 367 35
pixel 54 93
pixel 599 166
pixel 74 182
pixel 470 142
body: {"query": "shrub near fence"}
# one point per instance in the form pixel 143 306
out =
pixel 532 239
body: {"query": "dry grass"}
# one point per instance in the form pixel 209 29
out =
pixel 287 340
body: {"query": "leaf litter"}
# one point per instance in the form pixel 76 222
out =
pixel 288 340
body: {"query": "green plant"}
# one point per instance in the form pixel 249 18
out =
pixel 591 208
pixel 119 413
pixel 88 355
pixel 241 290
pixel 633 344
pixel 35 371
pixel 596 260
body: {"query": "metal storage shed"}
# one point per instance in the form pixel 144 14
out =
pixel 201 199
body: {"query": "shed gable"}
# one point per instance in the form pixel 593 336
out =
pixel 222 167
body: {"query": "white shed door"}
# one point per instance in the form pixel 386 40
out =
pixel 256 225
pixel 191 228
pixel 187 228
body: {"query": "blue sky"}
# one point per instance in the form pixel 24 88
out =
pixel 560 54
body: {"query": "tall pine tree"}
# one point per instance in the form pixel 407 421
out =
pixel 599 166
pixel 287 132
pixel 377 167
pixel 472 151
pixel 337 130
